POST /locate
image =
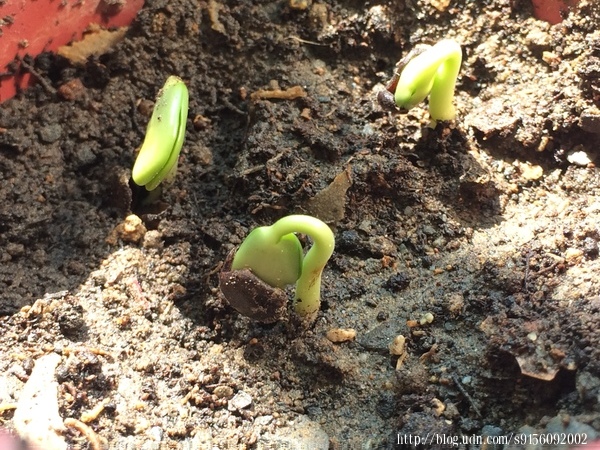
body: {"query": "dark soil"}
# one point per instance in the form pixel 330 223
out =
pixel 489 223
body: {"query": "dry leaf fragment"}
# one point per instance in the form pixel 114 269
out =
pixel 95 42
pixel 330 203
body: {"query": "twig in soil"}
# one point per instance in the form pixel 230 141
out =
pixel 252 170
pixel 429 354
pixel 94 350
pixel 47 87
pixel 546 269
pixel 92 414
pixel 233 108
pixel 466 395
pixel 533 275
pixel 90 435
pixel 266 206
pixel 526 275
pixel 304 41
pixel 135 290
pixel 214 271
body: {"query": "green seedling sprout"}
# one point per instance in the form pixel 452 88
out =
pixel 159 153
pixel 274 255
pixel 428 70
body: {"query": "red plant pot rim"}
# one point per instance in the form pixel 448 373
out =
pixel 30 27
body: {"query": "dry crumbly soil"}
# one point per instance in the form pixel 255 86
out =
pixel 487 225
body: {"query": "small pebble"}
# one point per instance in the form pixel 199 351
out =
pixel 398 345
pixel 132 229
pixel 579 158
pixel 240 400
pixel 224 391
pixel 438 406
pixel 398 282
pixel 573 254
pixel 426 319
pixel 532 172
pixel 590 247
pixel 338 335
pixel 152 239
pixel 300 4
pixel 14 249
pixel 50 133
pixel 72 90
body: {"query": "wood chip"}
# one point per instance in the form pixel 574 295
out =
pixel 288 94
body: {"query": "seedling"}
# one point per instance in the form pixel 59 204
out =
pixel 270 258
pixel 426 70
pixel 159 153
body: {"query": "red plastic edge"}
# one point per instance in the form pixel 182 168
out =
pixel 552 10
pixel 34 26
